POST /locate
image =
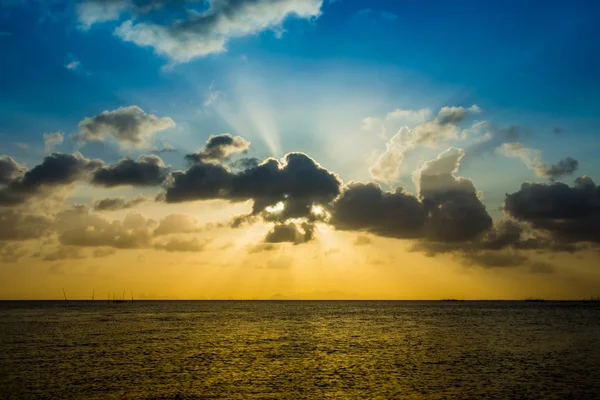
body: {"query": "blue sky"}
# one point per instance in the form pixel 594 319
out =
pixel 528 64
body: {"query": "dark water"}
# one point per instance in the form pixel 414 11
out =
pixel 300 350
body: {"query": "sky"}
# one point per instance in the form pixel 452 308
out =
pixel 299 149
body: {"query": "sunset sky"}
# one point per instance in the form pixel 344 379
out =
pixel 299 149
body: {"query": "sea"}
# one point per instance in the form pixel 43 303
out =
pixel 299 350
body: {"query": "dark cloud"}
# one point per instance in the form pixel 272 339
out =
pixel 9 169
pixel 290 232
pixel 366 207
pixel 202 181
pixel 563 167
pixel 129 126
pixel 17 225
pixel 496 259
pixel 245 163
pixel 149 170
pixel 80 227
pixel 455 212
pixel 56 170
pixel 298 183
pixel 118 203
pixel 103 252
pixel 570 214
pixel 219 148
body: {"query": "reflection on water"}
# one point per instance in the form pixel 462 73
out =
pixel 300 350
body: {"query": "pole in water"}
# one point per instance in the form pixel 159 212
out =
pixel 64 294
pixel 93 293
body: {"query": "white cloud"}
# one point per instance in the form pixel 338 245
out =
pixel 51 140
pixel 209 32
pixel 129 126
pixel 426 134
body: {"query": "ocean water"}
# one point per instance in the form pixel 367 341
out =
pixel 299 350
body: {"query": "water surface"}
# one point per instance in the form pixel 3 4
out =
pixel 299 350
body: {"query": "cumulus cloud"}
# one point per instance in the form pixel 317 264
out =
pixel 290 232
pixel 148 170
pixel 78 226
pixel 569 213
pixel 366 207
pixel 219 148
pixel 447 209
pixel 119 203
pixel 298 182
pixel 52 140
pixel 533 160
pixel 429 134
pixel 177 223
pixel 56 170
pixel 9 169
pixel 19 225
pixel 209 31
pixel 129 126
pixel 455 210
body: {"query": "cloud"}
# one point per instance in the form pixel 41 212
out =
pixel 200 33
pixel 56 170
pixel 533 160
pixel 455 210
pixel 103 252
pixel 290 232
pixel 180 245
pixel 177 223
pixel 245 163
pixel 167 148
pixel 566 166
pixel 11 252
pixel 219 148
pixel 129 126
pixel 148 170
pixel 10 169
pixel 80 227
pixel 362 240
pixel 429 134
pixel 366 207
pixel 119 203
pixel 18 225
pixel 52 140
pixel 570 214
pixel 97 11
pixel 298 182
pixel 64 253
